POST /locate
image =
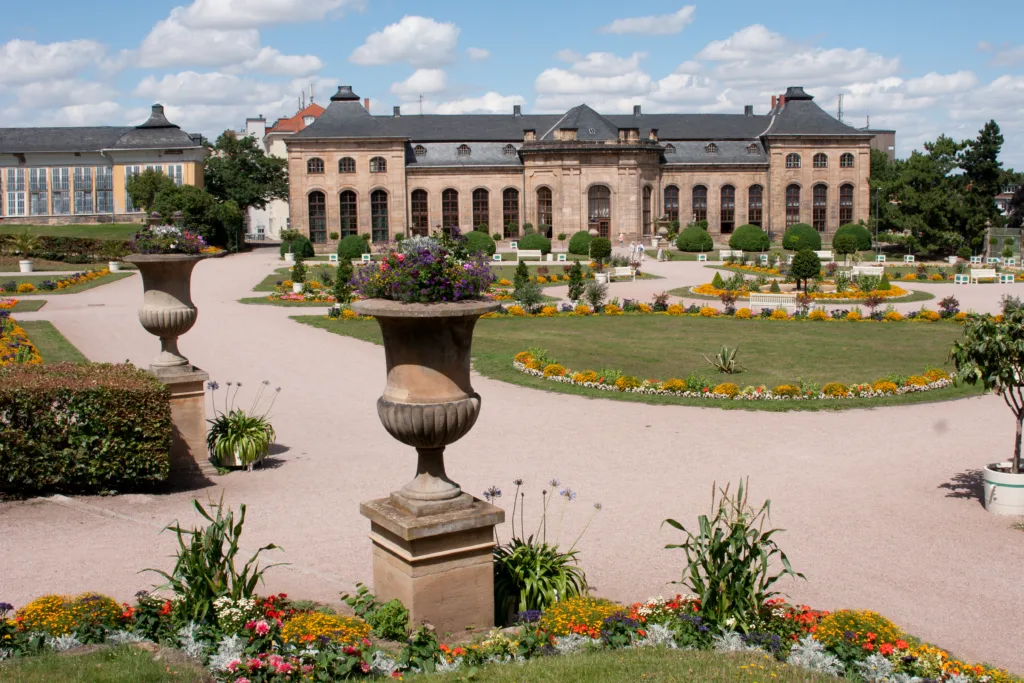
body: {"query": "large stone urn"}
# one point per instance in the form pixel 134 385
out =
pixel 167 310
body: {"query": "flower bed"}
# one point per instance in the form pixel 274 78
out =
pixel 65 282
pixel 894 292
pixel 7 303
pixel 15 346
pixel 528 364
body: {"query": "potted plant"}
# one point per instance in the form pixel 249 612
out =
pixel 166 255
pixel 24 245
pixel 427 296
pixel 114 251
pixel 237 437
pixel 991 352
pixel 290 236
pixel 298 275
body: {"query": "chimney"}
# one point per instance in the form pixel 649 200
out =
pixel 773 102
pixel 517 111
pixel 636 110
pixel 398 112
pixel 366 104
pixel 529 136
pixel 654 134
pixel 748 110
pixel 782 101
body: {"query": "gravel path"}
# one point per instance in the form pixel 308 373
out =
pixel 880 507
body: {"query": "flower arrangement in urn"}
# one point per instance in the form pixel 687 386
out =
pixel 167 239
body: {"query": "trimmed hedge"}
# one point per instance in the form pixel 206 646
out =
pixel 82 428
pixel 858 231
pixel 300 245
pixel 801 236
pixel 477 241
pixel 352 247
pixel 694 238
pixel 536 241
pixel 749 238
pixel 579 243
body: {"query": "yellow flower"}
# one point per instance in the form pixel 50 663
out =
pixel 645 308
pixel 835 390
pixel 818 314
pixel 517 311
pixel 626 382
pixel 727 388
pixel 787 390
pixel 523 357
pixel 554 370
pixel 853 315
pixel 582 310
pixel 612 309
pixel 584 377
pixel 674 385
pixel 676 309
pixel 541 279
pixel 885 386
pixel 744 313
pixel 26 287
pixel 780 314
pixel 893 316
pixel 505 282
pixel 708 312
pixel 311 627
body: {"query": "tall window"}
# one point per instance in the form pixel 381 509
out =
pixel 315 165
pixel 727 217
pixel 792 205
pixel 481 208
pixel 672 203
pixel 104 189
pixel 346 165
pixel 449 210
pixel 15 192
pixel 510 212
pixel 819 213
pixel 37 192
pixel 755 205
pixel 700 203
pixel 379 216
pixel 820 160
pixel 317 217
pixel 129 171
pixel 349 224
pixel 544 208
pixel 176 172
pixel 792 161
pixel 83 190
pixel 846 161
pixel 419 212
pixel 645 210
pixel 378 165
pixel 599 209
pixel 845 204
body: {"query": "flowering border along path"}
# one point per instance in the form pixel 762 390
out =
pixel 526 363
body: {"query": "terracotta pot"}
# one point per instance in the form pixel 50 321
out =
pixel 167 310
pixel 428 401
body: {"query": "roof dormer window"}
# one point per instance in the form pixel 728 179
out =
pixel 420 151
pixel 308 120
pixel 751 148
pixel 711 148
pixel 509 150
pixel 670 149
pixel 464 151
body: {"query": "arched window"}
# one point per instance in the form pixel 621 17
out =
pixel 711 148
pixel 463 151
pixel 599 209
pixel 510 150
pixel 846 203
pixel 510 212
pixel 378 165
pixel 755 205
pixel 727 216
pixel 672 202
pixel 700 203
pixel 792 205
pixel 419 150
pixel 379 216
pixel 670 149
pixel 317 214
pixel 645 211
pixel 449 210
pixel 349 214
pixel 315 165
pixel 846 160
pixel 751 148
pixel 481 208
pixel 819 213
pixel 792 161
pixel 418 211
pixel 544 209
pixel 346 165
pixel 820 160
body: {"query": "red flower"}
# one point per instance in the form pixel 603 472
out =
pixel 886 649
pixel 901 644
pixel 365 666
pixel 872 636
pixel 166 609
pixel 868 646
pixel 643 633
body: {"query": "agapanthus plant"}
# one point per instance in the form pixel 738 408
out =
pixel 167 239
pixel 426 270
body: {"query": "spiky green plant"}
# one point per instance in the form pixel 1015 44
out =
pixel 725 360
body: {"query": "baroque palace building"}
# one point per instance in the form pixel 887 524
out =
pixel 351 172
pixel 78 174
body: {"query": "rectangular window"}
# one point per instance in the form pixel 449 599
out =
pixel 104 189
pixel 60 191
pixel 153 167
pixel 83 190
pixel 15 192
pixel 38 196
pixel 176 172
pixel 130 171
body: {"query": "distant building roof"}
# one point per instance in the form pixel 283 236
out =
pixel 696 153
pixel 446 154
pixel 797 114
pixel 346 117
pixel 295 123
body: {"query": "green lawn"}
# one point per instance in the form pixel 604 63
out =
pixel 101 231
pixel 264 301
pixel 116 665
pixel 52 345
pixel 27 305
pixel 914 296
pixel 662 347
pixel 37 279
pixel 9 264
pixel 508 273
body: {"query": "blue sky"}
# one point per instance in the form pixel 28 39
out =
pixel 215 62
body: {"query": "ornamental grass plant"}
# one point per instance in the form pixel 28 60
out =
pixel 237 435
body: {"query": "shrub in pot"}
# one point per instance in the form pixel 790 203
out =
pixel 238 437
pixel 600 249
pixel 333 236
pixel 749 238
pixel 845 245
pixel 536 241
pixel 801 236
pixel 497 237
pixel 294 242
pixel 579 243
pixel 25 244
pixel 806 265
pixel 352 247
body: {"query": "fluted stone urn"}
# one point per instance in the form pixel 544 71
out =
pixel 428 401
pixel 167 310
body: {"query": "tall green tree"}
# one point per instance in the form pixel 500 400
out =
pixel 237 170
pixel 144 187
pixel 982 178
pixel 1016 208
pixel 219 223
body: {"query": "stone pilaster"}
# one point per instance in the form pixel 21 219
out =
pixel 189 455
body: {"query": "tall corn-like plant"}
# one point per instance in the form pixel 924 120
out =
pixel 205 569
pixel 729 559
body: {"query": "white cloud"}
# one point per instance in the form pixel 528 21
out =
pixel 477 54
pixel 656 25
pixel 25 61
pixel 603 63
pixel 941 84
pixel 94 114
pixel 271 61
pixel 421 82
pixel 235 14
pixel 984 46
pixel 1008 56
pixel 44 94
pixel 418 41
pixel 746 43
pixel 489 103
pixel 191 88
pixel 171 43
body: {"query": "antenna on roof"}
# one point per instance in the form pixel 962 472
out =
pixel 303 102
pixel 868 124
pixel 840 107
pixel 421 105
pixel 311 93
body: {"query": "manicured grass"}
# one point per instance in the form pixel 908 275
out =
pixel 508 273
pixel 37 279
pixel 264 301
pixel 27 305
pixel 117 665
pixel 51 344
pixel 662 347
pixel 914 296
pixel 100 231
pixel 9 264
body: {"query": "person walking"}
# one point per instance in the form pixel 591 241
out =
pixel 640 249
pixel 621 237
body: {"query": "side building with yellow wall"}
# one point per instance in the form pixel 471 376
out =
pixel 57 176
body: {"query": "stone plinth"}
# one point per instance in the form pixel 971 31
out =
pixel 189 455
pixel 439 565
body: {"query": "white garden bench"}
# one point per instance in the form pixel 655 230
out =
pixel 824 255
pixel 561 258
pixel 760 300
pixel 496 258
pixel 702 258
pixel 366 258
pixel 880 258
pixel 621 271
pixel 764 259
pixel 514 246
pixel 1007 278
pixel 529 253
pixel 726 253
pixel 332 258
pixel 994 260
pixel 1010 261
pixel 975 260
pixel 983 274
pixel 909 258
pixel 867 270
pixel 961 279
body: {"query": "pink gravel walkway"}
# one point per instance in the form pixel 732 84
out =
pixel 879 505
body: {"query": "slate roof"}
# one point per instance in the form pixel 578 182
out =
pixel 445 154
pixel 588 124
pixel 694 153
pixel 801 116
pixel 346 117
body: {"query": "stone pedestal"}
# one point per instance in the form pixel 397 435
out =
pixel 439 563
pixel 189 455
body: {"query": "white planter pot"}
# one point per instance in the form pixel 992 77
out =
pixel 952 260
pixel 25 266
pixel 114 266
pixel 234 461
pixel 601 277
pixel 1004 492
pixel 289 257
pixel 297 287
